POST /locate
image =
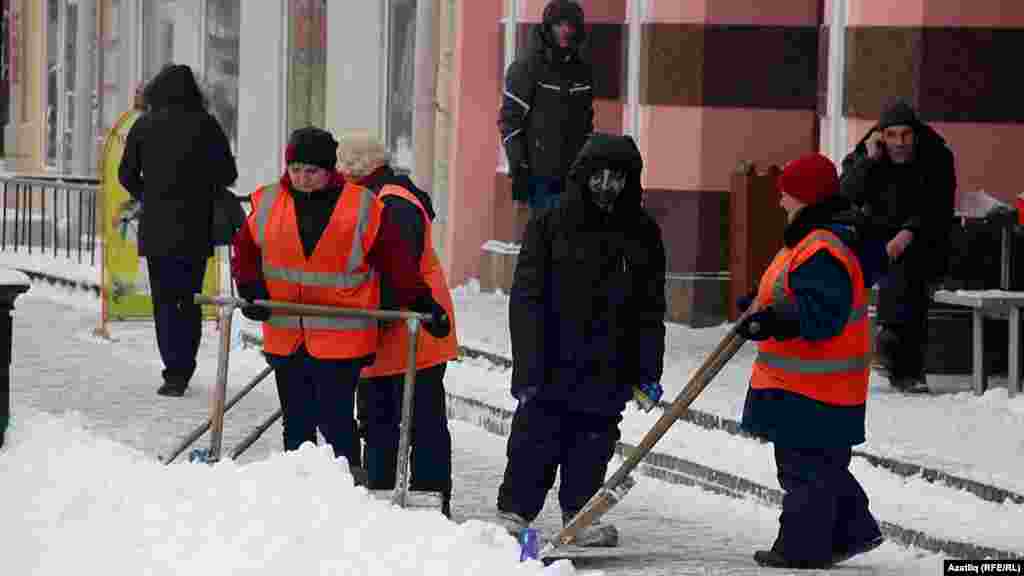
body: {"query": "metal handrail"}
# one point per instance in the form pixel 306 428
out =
pixel 44 211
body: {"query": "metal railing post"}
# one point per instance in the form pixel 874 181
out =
pixel 12 284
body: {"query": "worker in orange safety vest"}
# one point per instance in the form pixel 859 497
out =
pixel 810 378
pixel 364 159
pixel 315 238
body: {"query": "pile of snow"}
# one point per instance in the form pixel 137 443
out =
pixel 84 501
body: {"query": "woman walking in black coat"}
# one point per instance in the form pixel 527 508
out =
pixel 176 161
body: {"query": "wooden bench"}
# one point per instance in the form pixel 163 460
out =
pixel 993 304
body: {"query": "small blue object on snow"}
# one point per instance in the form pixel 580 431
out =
pixel 201 455
pixel 529 544
pixel 647 395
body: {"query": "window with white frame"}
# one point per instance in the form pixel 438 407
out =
pixel 221 63
pixel 307 63
pixel 401 78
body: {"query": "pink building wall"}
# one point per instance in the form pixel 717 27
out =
pixel 473 148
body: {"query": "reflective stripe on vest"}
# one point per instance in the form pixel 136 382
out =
pixel 346 279
pixel 804 366
pixel 319 322
pixel 779 287
pixel 393 341
pixel 834 371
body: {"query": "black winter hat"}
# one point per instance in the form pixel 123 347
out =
pixel 313 146
pixel 565 10
pixel 899 113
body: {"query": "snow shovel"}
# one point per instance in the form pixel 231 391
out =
pixel 401 495
pixel 616 487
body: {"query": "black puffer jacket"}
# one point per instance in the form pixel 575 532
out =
pixel 587 306
pixel 918 196
pixel 547 108
pixel 176 160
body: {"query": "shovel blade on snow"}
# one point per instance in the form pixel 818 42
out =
pixel 414 499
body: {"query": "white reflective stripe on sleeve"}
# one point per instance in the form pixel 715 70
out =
pixel 517 100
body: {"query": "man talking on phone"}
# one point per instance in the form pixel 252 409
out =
pixel 902 177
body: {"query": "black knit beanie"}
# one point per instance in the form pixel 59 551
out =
pixel 312 146
pixel 899 113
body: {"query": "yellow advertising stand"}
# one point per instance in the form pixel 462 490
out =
pixel 125 278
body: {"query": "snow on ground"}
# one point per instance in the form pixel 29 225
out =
pixel 53 320
pixel 43 263
pixel 977 437
pixel 86 501
pixel 910 502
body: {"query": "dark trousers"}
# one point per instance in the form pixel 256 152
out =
pixel 903 299
pixel 548 438
pixel 824 509
pixel 317 393
pixel 173 281
pixel 545 193
pixel 431 455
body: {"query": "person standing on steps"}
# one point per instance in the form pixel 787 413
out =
pixel 547 108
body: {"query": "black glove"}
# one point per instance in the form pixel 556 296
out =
pixel 744 302
pixel 781 322
pixel 254 291
pixel 439 324
pixel 758 326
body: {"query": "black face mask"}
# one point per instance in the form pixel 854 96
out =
pixel 605 187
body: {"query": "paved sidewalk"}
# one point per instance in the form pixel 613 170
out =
pixel 60 367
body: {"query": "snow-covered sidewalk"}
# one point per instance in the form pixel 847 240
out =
pixel 975 437
pixel 922 429
pixel 90 495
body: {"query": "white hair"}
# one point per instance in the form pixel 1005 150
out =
pixel 360 153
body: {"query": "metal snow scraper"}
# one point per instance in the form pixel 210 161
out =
pixel 400 495
pixel 616 487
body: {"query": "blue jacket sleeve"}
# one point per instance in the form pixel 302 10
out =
pixel 824 297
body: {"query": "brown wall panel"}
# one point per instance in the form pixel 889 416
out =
pixel 672 65
pixel 972 75
pixel 691 227
pixel 882 63
pixel 761 67
pixel 730 66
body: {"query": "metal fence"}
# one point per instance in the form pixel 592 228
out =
pixel 56 217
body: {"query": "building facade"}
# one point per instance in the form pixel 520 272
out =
pixel 703 85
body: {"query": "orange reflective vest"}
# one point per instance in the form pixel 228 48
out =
pixel 393 341
pixel 833 371
pixel 336 273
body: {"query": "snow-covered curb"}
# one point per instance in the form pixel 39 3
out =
pixel 677 470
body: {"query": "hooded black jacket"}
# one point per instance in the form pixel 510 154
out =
pixel 587 305
pixel 176 161
pixel 919 196
pixel 547 107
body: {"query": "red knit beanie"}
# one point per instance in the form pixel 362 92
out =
pixel 810 179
